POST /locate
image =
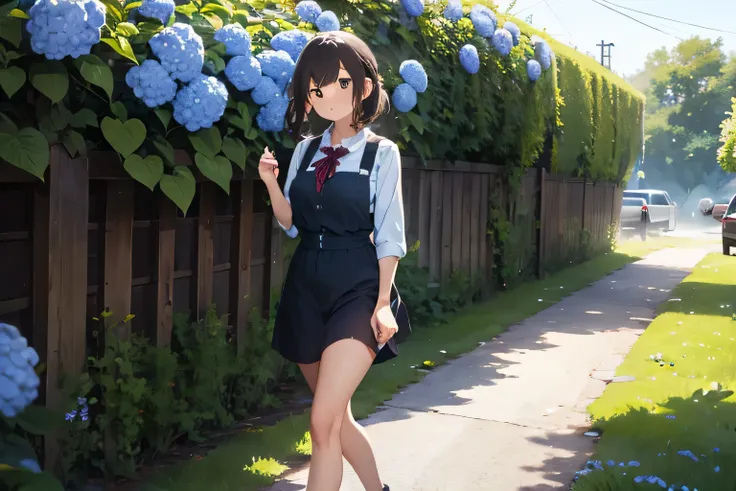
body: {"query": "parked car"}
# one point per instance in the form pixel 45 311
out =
pixel 724 211
pixel 661 210
pixel 635 216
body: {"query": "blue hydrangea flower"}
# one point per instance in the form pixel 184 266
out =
pixel 503 41
pixel 272 116
pixel 152 83
pixel 244 72
pixel 454 10
pixel 414 74
pixel 415 8
pixel 514 30
pixel 293 42
pixel 158 9
pixel 201 103
pixel 235 38
pixel 469 58
pixel 278 65
pixel 404 98
pixel 31 465
pixel 484 20
pixel 543 54
pixel 327 21
pixel 309 11
pixel 534 70
pixel 265 91
pixel 180 50
pixel 65 28
pixel 18 381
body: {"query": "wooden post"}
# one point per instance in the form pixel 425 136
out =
pixel 165 278
pixel 268 224
pixel 240 255
pixel 118 279
pixel 60 276
pixel 205 249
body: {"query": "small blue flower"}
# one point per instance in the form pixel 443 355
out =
pixel 180 50
pixel 278 65
pixel 469 58
pixel 244 72
pixel 328 21
pixel 514 30
pixel 454 10
pixel 265 91
pixel 533 70
pixel 309 11
pixel 415 8
pixel 716 450
pixel 503 41
pixel 201 103
pixel 235 38
pixel 543 54
pixel 688 453
pixel 18 380
pixel 272 116
pixel 152 83
pixel 717 469
pixel 414 74
pixel 65 27
pixel 634 463
pixel 404 98
pixel 158 9
pixel 31 464
pixel 484 20
pixel 293 42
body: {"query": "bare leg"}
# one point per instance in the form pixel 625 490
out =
pixel 343 366
pixel 356 447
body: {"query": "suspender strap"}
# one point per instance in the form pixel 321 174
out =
pixel 369 154
pixel 310 153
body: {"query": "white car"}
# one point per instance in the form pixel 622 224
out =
pixel 661 210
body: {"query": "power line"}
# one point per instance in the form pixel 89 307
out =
pixel 636 20
pixel 559 20
pixel 670 20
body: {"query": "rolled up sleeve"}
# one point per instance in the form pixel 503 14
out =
pixel 389 233
pixel 296 158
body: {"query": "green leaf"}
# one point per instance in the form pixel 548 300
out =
pixel 238 122
pixel 74 143
pixel 163 115
pixel 125 138
pixel 218 64
pixel 38 420
pixel 147 171
pixel 179 187
pixel 207 141
pixel 51 79
pixel 24 480
pixel 416 121
pixel 164 148
pixel 214 20
pixel 252 134
pixel 19 14
pixel 188 9
pixel 119 110
pixel 11 30
pixel 122 46
pixel 12 79
pixel 84 117
pixel 127 29
pixel 218 170
pixel 28 149
pixel 53 117
pixel 7 125
pixel 114 9
pixel 219 10
pixel 96 72
pixel 235 150
pixel 11 56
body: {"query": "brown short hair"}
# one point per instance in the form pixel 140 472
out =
pixel 320 62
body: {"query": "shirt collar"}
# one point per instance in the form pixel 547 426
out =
pixel 352 144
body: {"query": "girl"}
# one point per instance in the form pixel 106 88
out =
pixel 343 198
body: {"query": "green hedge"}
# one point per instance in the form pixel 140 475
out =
pixel 727 152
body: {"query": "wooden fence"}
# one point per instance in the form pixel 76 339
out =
pixel 90 239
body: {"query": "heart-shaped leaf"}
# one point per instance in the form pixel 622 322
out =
pixel 235 150
pixel 74 143
pixel 147 171
pixel 164 148
pixel 163 115
pixel 12 79
pixel 51 79
pixel 84 117
pixel 119 110
pixel 125 138
pixel 27 149
pixel 218 170
pixel 207 141
pixel 96 72
pixel 180 187
pixel 11 30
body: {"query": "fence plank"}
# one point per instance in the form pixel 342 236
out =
pixel 118 279
pixel 424 218
pixel 446 256
pixel 457 221
pixel 165 277
pixel 484 239
pixel 41 285
pixel 242 243
pixel 475 225
pixel 435 226
pixel 205 249
pixel 467 206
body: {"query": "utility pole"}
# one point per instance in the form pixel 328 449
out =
pixel 606 56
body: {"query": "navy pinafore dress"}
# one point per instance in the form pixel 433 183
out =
pixel 331 288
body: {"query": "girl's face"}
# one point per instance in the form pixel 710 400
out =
pixel 334 101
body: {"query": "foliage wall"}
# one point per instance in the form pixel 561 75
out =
pixel 148 78
pixel 727 152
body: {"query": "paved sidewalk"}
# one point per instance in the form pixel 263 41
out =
pixel 510 415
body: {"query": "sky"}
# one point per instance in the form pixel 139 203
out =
pixel 583 24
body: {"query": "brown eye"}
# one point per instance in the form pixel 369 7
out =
pixel 317 92
pixel 345 83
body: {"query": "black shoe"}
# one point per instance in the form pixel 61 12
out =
pixel 386 488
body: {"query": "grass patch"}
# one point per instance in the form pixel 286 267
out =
pixel 229 467
pixel 672 409
pixel 635 247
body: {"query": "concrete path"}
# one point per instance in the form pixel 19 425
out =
pixel 510 415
